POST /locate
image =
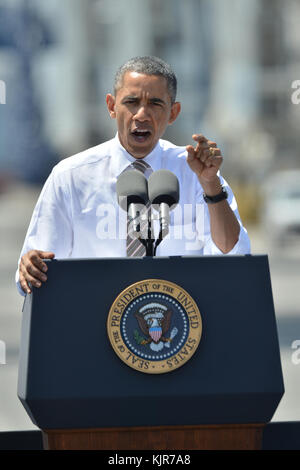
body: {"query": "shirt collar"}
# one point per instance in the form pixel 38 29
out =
pixel 121 158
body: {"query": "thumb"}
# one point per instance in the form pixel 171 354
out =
pixel 47 254
pixel 191 152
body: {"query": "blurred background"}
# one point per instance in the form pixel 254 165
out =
pixel 236 63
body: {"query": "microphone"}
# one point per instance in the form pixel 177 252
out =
pixel 163 189
pixel 132 193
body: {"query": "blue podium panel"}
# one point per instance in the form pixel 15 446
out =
pixel 70 376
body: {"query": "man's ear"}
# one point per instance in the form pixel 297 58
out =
pixel 175 110
pixel 110 103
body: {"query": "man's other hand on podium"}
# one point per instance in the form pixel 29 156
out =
pixel 32 269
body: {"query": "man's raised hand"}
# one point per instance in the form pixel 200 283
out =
pixel 204 159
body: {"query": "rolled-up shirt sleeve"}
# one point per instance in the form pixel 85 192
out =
pixel 50 228
pixel 242 246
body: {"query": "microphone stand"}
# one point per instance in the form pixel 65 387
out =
pixel 149 241
pixel 158 241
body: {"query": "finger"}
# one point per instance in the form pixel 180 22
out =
pixel 199 138
pixel 201 146
pixel 26 272
pixel 37 257
pixel 46 254
pixel 205 144
pixel 27 266
pixel 214 152
pixel 27 277
pixel 205 154
pixel 210 153
pixel 36 272
pixel 191 151
pixel 211 143
pixel 215 161
pixel 23 284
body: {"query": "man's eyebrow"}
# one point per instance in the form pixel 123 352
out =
pixel 130 97
pixel 157 100
pixel 136 98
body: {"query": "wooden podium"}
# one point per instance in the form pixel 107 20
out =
pixel 83 396
pixel 210 437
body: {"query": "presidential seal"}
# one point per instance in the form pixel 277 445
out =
pixel 154 326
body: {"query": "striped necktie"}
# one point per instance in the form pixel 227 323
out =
pixel 134 248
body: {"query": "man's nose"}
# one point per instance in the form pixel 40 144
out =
pixel 142 114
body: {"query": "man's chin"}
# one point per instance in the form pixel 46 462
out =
pixel 140 149
pixel 139 155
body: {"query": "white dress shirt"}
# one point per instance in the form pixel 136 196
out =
pixel 77 214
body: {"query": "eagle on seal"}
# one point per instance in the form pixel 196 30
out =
pixel 154 321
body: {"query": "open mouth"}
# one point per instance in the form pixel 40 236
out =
pixel 141 135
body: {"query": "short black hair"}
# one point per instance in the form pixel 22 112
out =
pixel 148 65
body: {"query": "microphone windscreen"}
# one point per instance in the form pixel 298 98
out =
pixel 131 188
pixel 163 186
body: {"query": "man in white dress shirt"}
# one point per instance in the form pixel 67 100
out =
pixel 77 214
